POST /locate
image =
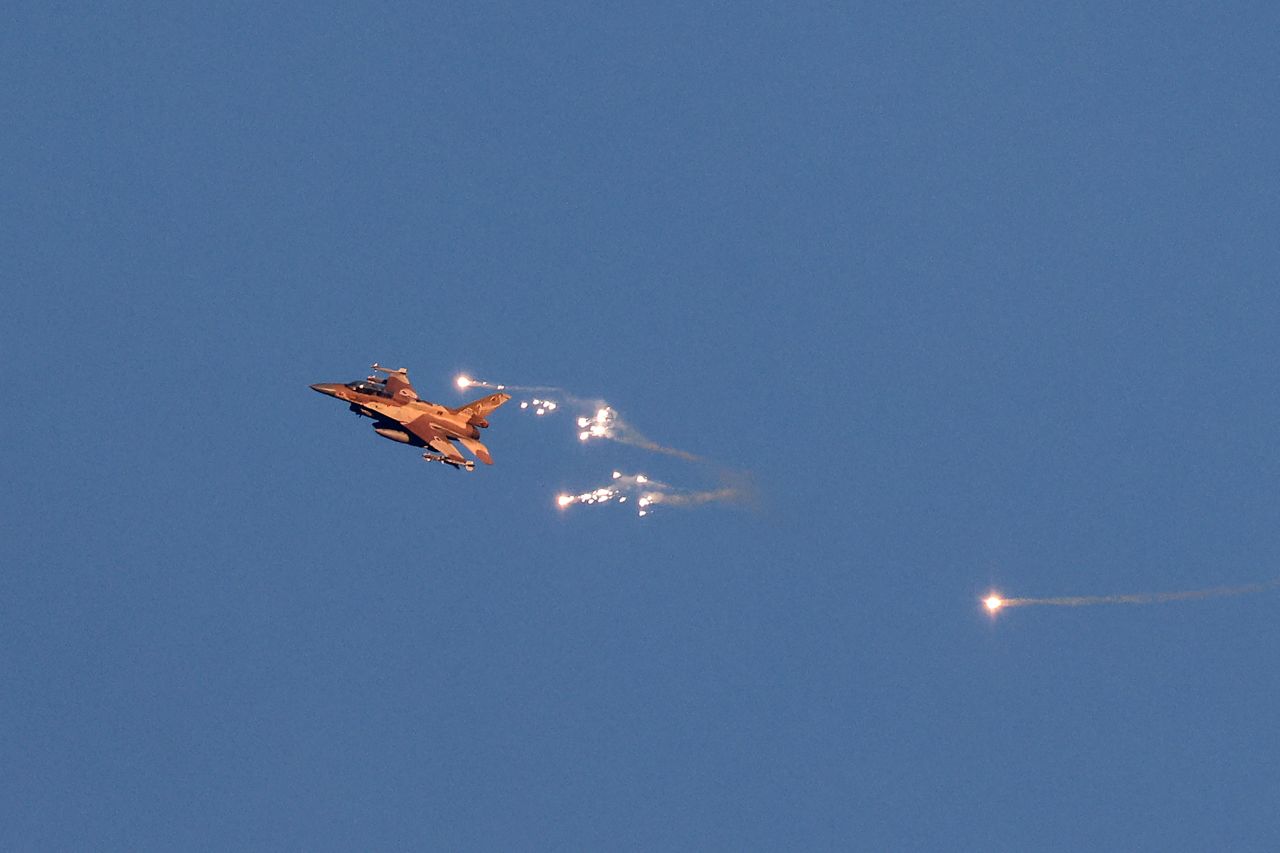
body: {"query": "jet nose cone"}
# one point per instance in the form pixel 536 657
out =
pixel 325 388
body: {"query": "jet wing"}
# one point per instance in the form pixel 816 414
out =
pixel 435 439
pixel 446 449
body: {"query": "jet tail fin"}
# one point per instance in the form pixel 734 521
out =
pixel 478 410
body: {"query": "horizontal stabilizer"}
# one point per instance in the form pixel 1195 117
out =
pixel 477 449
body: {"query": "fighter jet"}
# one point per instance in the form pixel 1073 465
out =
pixel 400 415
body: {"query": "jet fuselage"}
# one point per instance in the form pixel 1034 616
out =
pixel 381 408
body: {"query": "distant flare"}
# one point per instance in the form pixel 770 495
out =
pixel 994 602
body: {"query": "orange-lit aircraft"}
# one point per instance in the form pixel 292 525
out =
pixel 400 415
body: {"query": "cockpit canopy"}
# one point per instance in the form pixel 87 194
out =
pixel 368 386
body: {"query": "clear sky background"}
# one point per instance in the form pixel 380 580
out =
pixel 981 295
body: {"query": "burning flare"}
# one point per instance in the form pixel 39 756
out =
pixel 601 420
pixel 650 493
pixel 994 602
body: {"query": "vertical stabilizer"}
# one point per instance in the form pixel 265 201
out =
pixel 478 410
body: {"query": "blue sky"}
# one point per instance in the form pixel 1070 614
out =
pixel 979 296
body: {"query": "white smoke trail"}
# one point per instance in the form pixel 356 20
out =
pixel 601 420
pixel 649 494
pixel 607 423
pixel 465 382
pixel 995 602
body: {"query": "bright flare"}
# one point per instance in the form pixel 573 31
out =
pixel 647 494
pixel 995 602
pixel 464 382
pixel 620 487
pixel 602 422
